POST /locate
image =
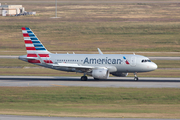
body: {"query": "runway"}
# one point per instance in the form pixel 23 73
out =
pixel 25 81
pixel 14 117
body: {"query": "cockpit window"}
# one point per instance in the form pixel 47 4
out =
pixel 145 61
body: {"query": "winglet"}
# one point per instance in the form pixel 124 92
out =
pixel 100 52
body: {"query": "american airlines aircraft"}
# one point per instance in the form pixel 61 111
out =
pixel 99 66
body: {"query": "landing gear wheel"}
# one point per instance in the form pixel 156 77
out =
pixel 96 79
pixel 136 78
pixel 84 78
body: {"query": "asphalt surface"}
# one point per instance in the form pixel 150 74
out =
pixel 25 81
pixel 14 117
pixel 9 57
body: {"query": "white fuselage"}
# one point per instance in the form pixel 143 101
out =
pixel 114 62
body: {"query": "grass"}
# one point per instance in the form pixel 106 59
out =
pixel 167 63
pixel 15 63
pixel 148 54
pixel 76 38
pixel 160 73
pixel 84 27
pixel 88 95
pixel 35 72
pixel 87 101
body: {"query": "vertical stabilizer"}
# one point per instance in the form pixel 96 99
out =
pixel 36 52
pixel 33 44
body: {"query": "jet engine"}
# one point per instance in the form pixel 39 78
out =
pixel 118 74
pixel 101 73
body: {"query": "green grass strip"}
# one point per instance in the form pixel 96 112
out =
pixel 90 101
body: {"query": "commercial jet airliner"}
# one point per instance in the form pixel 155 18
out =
pixel 99 66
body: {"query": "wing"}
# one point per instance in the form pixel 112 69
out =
pixel 69 65
pixel 74 66
pixel 84 68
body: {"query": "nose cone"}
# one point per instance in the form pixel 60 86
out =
pixel 154 66
pixel 149 66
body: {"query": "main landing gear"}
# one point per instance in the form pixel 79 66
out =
pixel 84 78
pixel 135 77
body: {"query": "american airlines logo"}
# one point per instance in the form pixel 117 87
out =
pixel 102 61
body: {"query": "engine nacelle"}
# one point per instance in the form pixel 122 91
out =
pixel 120 74
pixel 101 73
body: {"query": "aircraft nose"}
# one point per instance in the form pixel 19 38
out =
pixel 154 66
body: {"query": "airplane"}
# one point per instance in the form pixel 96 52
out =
pixel 99 66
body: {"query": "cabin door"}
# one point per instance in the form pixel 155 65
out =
pixel 133 61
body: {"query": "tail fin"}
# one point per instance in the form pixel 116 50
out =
pixel 33 44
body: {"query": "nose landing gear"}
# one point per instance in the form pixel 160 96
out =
pixel 135 76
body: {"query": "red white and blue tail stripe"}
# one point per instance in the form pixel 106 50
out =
pixel 34 46
pixel 32 43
